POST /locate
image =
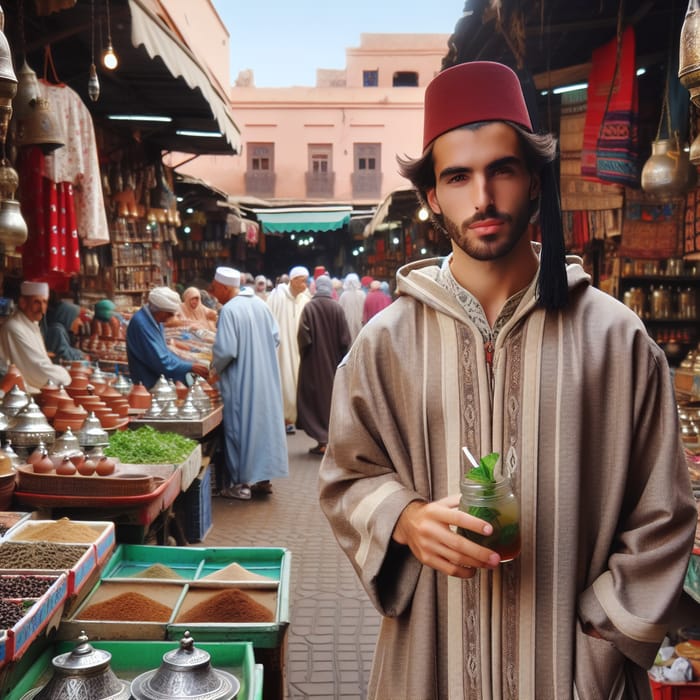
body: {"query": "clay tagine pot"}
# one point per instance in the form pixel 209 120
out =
pixel 12 377
pixel 139 397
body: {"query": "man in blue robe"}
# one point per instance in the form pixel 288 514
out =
pixel 245 358
pixel 146 348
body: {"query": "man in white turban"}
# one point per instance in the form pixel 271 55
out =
pixel 245 359
pixel 22 344
pixel 146 347
pixel 286 305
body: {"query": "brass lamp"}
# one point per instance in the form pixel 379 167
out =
pixel 13 228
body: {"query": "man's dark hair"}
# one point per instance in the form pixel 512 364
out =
pixel 540 153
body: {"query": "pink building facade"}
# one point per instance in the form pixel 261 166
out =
pixel 334 143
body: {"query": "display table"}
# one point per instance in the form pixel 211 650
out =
pixel 195 429
pixel 134 516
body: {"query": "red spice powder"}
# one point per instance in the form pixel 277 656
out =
pixel 129 606
pixel 231 605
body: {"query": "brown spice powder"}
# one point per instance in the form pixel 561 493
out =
pixel 232 605
pixel 157 571
pixel 63 530
pixel 130 606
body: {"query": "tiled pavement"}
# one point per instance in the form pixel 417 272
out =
pixel 333 626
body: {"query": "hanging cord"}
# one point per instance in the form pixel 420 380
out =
pixel 48 63
pixel 616 70
pixel 92 32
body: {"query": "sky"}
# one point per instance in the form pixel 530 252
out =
pixel 285 41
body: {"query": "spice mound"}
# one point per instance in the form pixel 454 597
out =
pixel 63 530
pixel 24 586
pixel 228 606
pixel 157 571
pixel 39 555
pixel 130 606
pixel 11 613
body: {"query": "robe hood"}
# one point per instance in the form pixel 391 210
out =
pixel 420 280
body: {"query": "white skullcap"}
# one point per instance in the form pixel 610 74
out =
pixel 34 289
pixel 298 271
pixel 228 276
pixel 164 299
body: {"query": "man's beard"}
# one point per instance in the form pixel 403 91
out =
pixel 487 247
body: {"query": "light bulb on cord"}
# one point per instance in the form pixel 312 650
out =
pixel 109 58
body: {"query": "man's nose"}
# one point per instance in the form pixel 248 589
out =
pixel 482 196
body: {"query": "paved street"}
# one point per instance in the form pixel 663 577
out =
pixel 333 626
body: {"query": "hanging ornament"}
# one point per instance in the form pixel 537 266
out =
pixel 689 52
pixel 93 84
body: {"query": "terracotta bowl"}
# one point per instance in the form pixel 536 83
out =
pixel 90 403
pixel 121 408
pixel 49 410
pixel 110 391
pixel 110 420
pixel 78 381
pixel 61 424
pixel 66 403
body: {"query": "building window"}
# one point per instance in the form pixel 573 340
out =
pixel 260 173
pixel 405 79
pixel 260 156
pixel 320 178
pixel 370 78
pixel 367 175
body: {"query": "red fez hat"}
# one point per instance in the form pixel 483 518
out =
pixel 319 270
pixel 467 93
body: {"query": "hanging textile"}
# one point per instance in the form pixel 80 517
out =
pixel 651 229
pixel 52 249
pixel 77 162
pixel 610 136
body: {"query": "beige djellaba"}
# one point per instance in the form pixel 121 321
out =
pixel 581 408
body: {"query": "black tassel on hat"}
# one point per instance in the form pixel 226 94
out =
pixel 552 286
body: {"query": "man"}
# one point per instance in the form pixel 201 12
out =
pixel 22 344
pixel 245 358
pixel 500 347
pixel 286 304
pixel 261 287
pixel 146 348
pixel 324 337
pixel 352 301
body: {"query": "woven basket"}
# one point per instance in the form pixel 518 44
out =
pixel 119 484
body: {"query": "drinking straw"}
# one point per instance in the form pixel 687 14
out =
pixel 470 457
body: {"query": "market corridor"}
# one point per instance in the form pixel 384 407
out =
pixel 333 625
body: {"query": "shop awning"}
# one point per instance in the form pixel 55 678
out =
pixel 291 220
pixel 159 92
pixel 149 32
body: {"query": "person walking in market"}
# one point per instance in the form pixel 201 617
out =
pixel 352 301
pixel 505 347
pixel 245 360
pixel 286 304
pixel 324 337
pixel 375 301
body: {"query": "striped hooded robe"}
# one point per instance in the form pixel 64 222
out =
pixel 582 410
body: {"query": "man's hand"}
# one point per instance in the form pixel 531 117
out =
pixel 425 528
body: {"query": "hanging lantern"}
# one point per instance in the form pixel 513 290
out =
pixel 689 52
pixel 41 127
pixel 27 90
pixel 666 172
pixel 8 81
pixel 13 227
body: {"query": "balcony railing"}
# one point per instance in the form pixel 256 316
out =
pixel 366 183
pixel 260 183
pixel 320 184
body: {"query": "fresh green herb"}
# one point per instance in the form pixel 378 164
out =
pixel 149 446
pixel 484 472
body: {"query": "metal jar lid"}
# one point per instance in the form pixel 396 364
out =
pixel 82 673
pixel 185 674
